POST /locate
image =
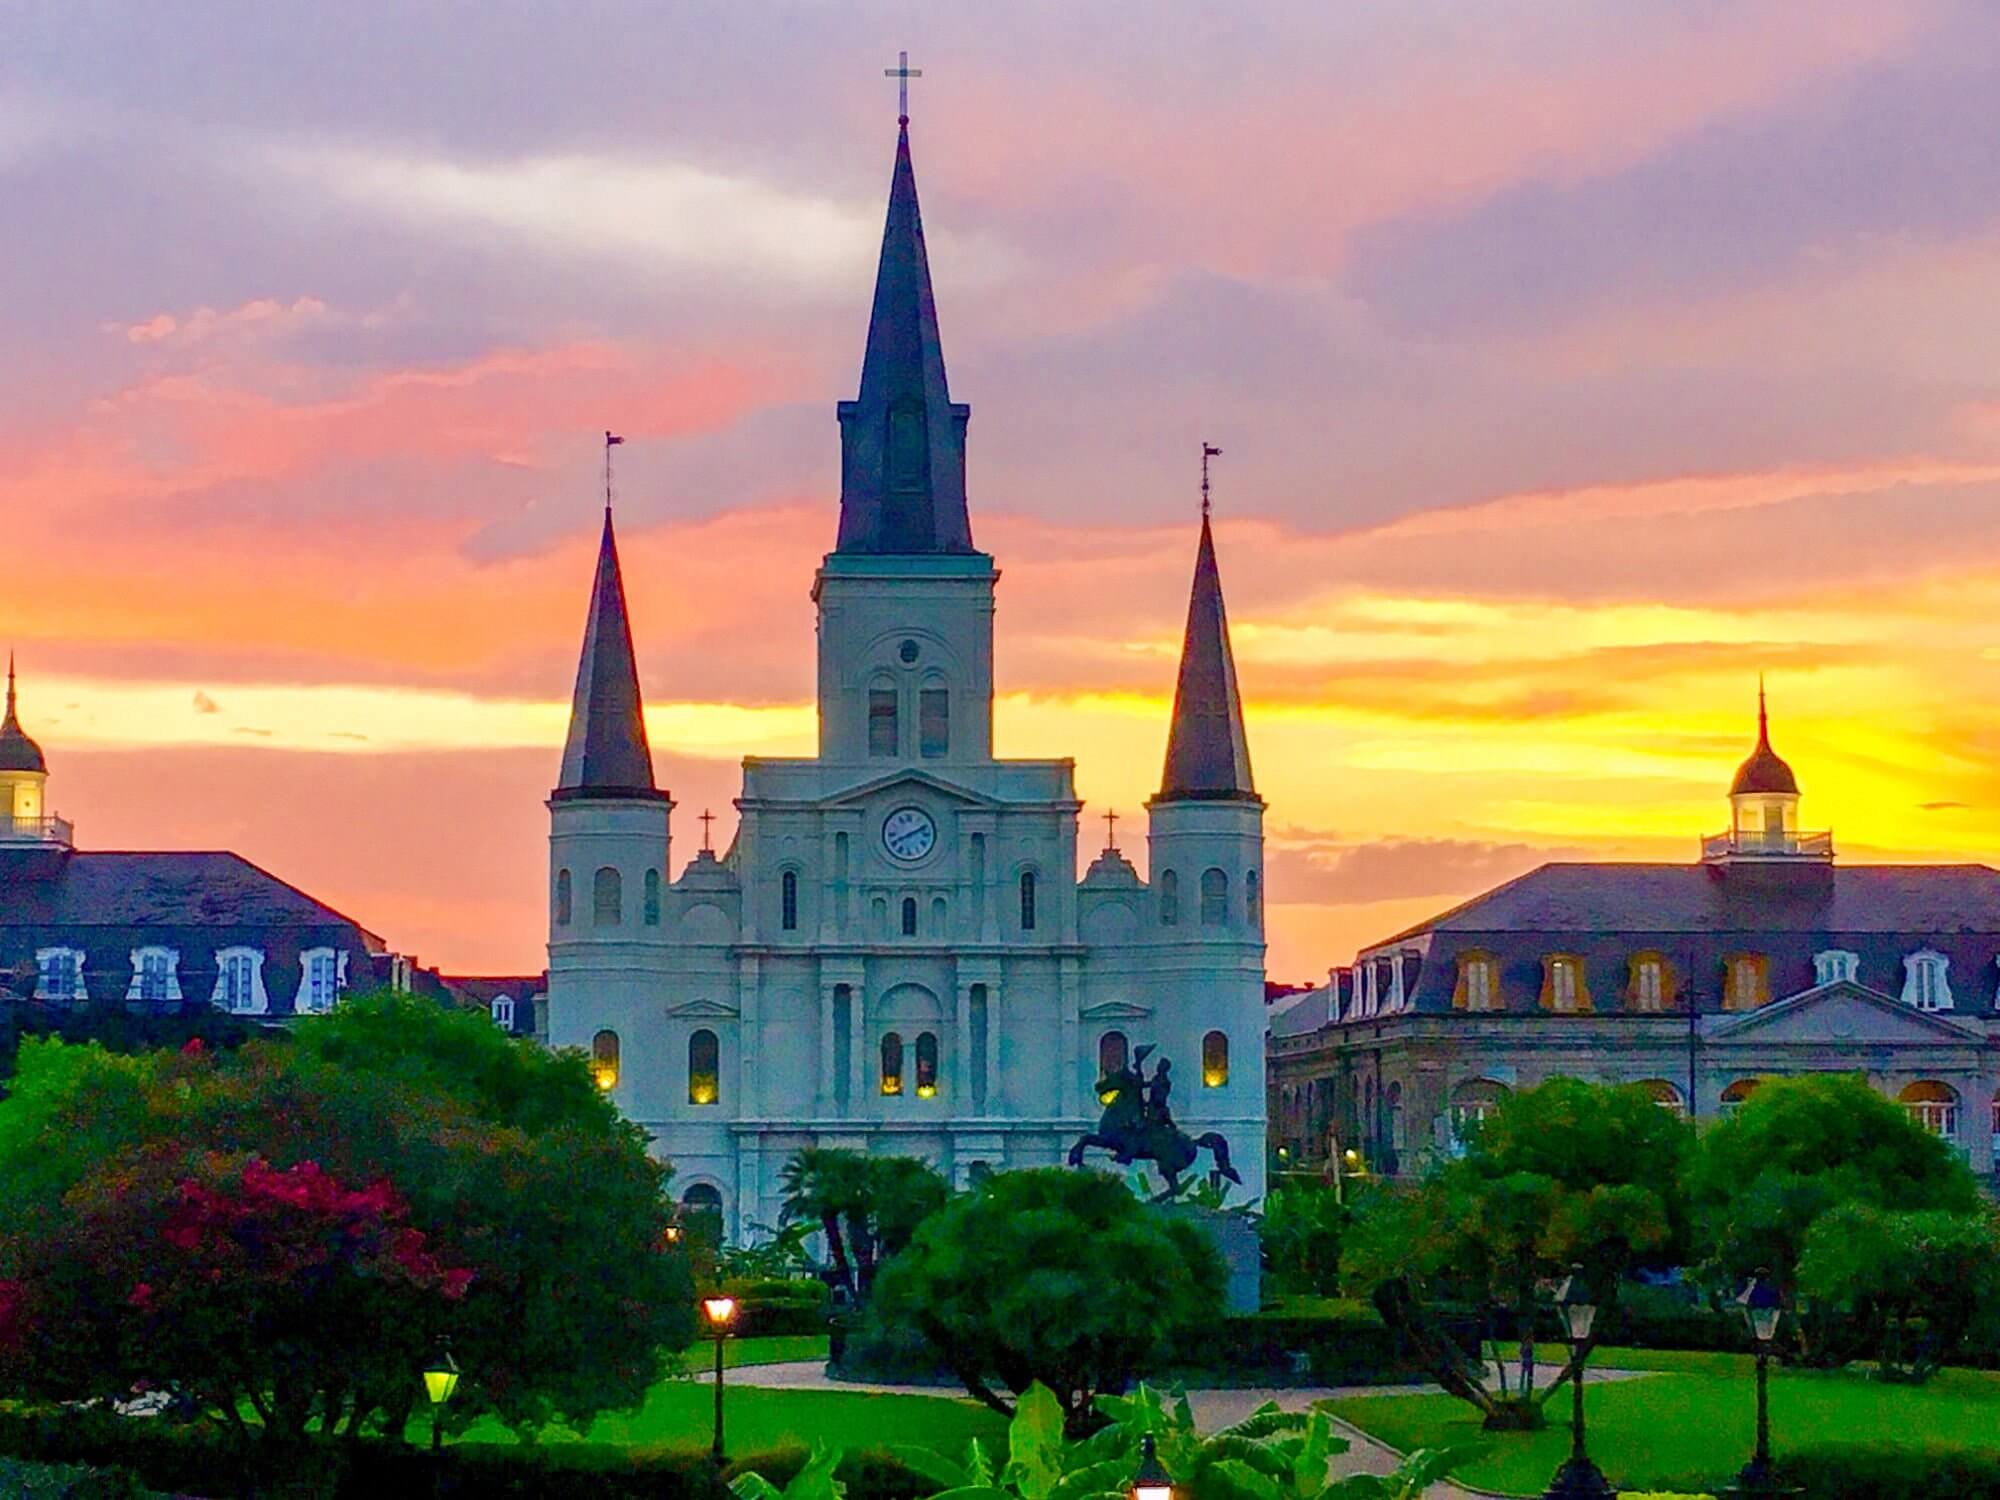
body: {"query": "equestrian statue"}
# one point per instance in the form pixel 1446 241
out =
pixel 1138 1126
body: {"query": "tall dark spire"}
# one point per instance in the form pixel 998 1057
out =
pixel 607 754
pixel 17 751
pixel 902 440
pixel 1208 756
pixel 1765 772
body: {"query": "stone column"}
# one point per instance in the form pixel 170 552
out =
pixel 1071 1030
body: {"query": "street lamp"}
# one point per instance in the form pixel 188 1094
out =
pixel 720 1312
pixel 1152 1482
pixel 440 1380
pixel 1762 1306
pixel 1578 1478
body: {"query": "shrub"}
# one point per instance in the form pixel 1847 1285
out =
pixel 1300 1232
pixel 771 1305
pixel 1890 1471
pixel 870 1474
pixel 1301 1341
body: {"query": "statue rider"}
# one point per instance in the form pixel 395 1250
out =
pixel 1157 1093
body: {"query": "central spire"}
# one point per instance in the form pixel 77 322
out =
pixel 1208 754
pixel 902 439
pixel 607 755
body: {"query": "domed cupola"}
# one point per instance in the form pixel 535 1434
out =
pixel 17 751
pixel 1765 773
pixel 1764 808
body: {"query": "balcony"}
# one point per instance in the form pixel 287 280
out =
pixel 1754 844
pixel 49 830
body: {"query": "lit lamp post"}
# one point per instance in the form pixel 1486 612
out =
pixel 1578 1478
pixel 720 1312
pixel 1761 1306
pixel 1152 1482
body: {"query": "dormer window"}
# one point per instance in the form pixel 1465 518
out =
pixel 1746 982
pixel 1835 965
pixel 503 1012
pixel 59 974
pixel 1478 982
pixel 1564 989
pixel 155 975
pixel 1649 982
pixel 1925 981
pixel 239 981
pixel 322 976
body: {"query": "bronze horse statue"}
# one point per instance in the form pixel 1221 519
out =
pixel 1138 1126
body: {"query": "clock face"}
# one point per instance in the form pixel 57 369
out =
pixel 909 834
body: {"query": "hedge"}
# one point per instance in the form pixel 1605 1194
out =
pixel 1301 1341
pixel 204 1460
pixel 869 1474
pixel 768 1306
pixel 1882 1471
pixel 20 1480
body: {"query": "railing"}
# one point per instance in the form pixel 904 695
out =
pixel 1767 844
pixel 49 830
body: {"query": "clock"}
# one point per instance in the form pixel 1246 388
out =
pixel 909 834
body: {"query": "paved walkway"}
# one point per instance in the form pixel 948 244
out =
pixel 1212 1408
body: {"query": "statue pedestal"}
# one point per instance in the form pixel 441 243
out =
pixel 1235 1239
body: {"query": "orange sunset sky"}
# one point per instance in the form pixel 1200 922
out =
pixel 1573 364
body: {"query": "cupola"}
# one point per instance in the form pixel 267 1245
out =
pixel 24 774
pixel 1764 808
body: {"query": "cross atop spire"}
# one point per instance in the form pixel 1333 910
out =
pixel 902 439
pixel 902 73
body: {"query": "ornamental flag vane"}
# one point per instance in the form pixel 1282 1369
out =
pixel 902 73
pixel 611 440
pixel 1208 451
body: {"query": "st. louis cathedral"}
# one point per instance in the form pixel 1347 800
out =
pixel 895 954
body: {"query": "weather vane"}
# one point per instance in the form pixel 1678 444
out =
pixel 902 73
pixel 611 440
pixel 1208 451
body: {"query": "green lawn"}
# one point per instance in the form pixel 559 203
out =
pixel 1692 1431
pixel 1612 1357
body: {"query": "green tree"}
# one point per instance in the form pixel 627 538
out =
pixel 1797 1148
pixel 502 1157
pixel 1916 1284
pixel 866 1206
pixel 1053 1275
pixel 1564 1173
pixel 1300 1233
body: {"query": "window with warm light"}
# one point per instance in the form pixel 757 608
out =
pixel 704 1068
pixel 1563 989
pixel 1744 988
pixel 604 1060
pixel 1478 988
pixel 1649 982
pixel 1933 1106
pixel 927 1065
pixel 1665 1095
pixel 1734 1096
pixel 1214 1060
pixel 892 1063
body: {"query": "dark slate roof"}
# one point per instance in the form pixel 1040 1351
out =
pixel 1662 898
pixel 607 754
pixel 1208 757
pixel 17 751
pixel 484 989
pixel 146 889
pixel 1765 771
pixel 902 473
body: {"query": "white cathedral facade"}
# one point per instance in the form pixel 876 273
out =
pixel 895 954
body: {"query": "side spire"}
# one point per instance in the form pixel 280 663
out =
pixel 607 754
pixel 1208 755
pixel 17 751
pixel 902 439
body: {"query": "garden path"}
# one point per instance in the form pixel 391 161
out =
pixel 1212 1408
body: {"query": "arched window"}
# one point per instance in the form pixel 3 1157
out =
pixel 939 920
pixel 1170 898
pixel 1253 901
pixel 604 1060
pixel 562 898
pixel 1564 988
pixel 59 974
pixel 1745 985
pixel 882 727
pixel 1665 1095
pixel 927 1055
pixel 1393 1104
pixel 892 1063
pixel 652 898
pixel 934 722
pixel 1214 898
pixel 1113 1053
pixel 502 1011
pixel 607 898
pixel 1027 901
pixel 788 900
pixel 1478 982
pixel 322 976
pixel 1214 1060
pixel 1737 1092
pixel 1834 965
pixel 239 981
pixel 1473 1103
pixel 1924 983
pixel 909 916
pixel 704 1068
pixel 701 1213
pixel 1649 986
pixel 1934 1106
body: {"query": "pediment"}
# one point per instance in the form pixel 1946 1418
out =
pixel 1841 1013
pixel 869 790
pixel 1115 1010
pixel 702 1010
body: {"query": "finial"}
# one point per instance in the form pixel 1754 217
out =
pixel 1763 715
pixel 1110 830
pixel 611 440
pixel 10 687
pixel 707 818
pixel 902 73
pixel 1208 451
